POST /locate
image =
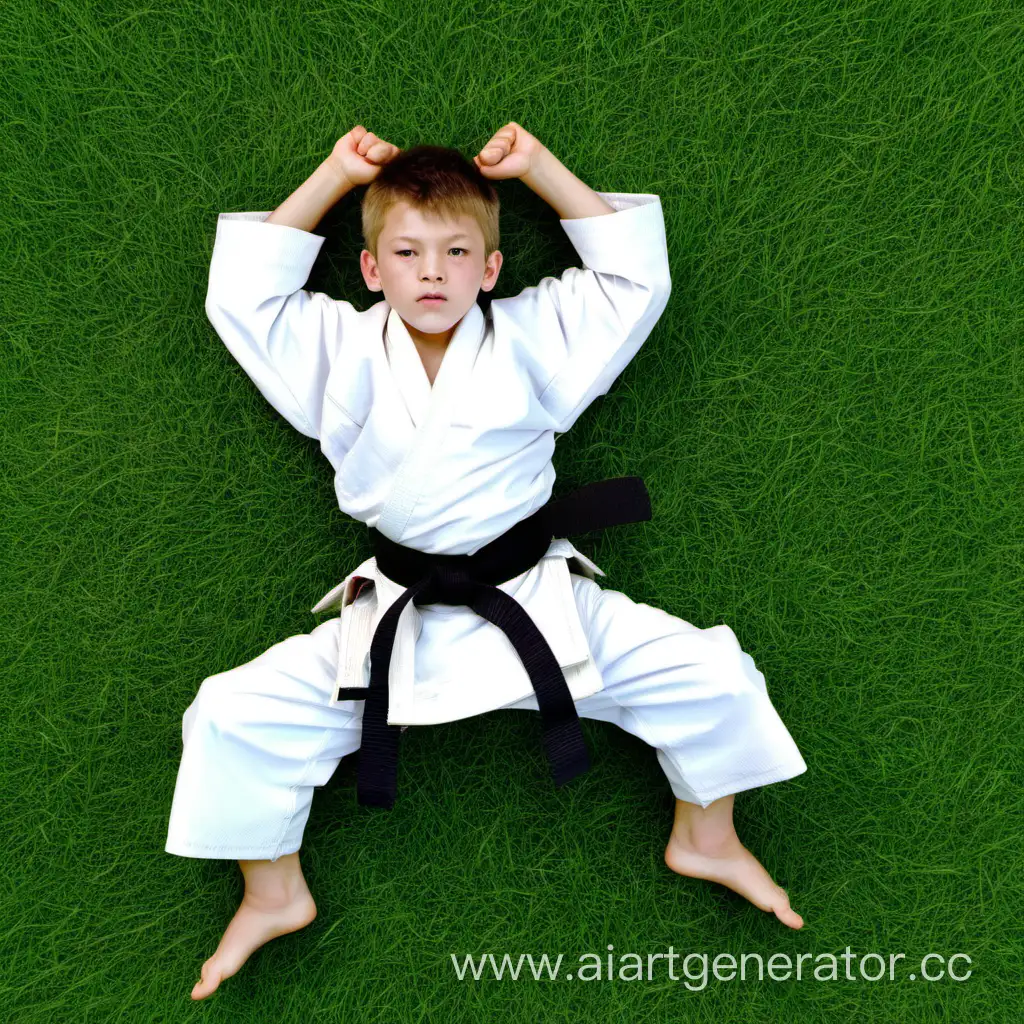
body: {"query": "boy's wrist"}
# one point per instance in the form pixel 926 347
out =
pixel 334 170
pixel 540 169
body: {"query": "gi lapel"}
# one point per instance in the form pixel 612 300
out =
pixel 429 407
pixel 407 368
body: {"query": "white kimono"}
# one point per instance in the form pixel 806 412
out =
pixel 445 469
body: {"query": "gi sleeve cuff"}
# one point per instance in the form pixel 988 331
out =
pixel 629 243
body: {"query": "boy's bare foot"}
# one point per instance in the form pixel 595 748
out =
pixel 728 862
pixel 704 844
pixel 257 920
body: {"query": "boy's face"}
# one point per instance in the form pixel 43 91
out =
pixel 417 255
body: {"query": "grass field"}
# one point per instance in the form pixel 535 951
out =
pixel 828 417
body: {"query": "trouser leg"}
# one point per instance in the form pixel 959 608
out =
pixel 257 739
pixel 693 694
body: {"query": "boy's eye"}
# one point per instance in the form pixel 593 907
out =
pixel 402 252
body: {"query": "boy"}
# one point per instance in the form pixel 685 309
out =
pixel 439 421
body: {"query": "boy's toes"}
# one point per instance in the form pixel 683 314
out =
pixel 209 981
pixel 790 917
pixel 785 913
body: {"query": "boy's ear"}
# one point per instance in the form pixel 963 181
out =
pixel 368 265
pixel 491 270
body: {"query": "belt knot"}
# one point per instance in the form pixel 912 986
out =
pixel 448 585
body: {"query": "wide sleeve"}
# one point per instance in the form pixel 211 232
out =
pixel 576 333
pixel 285 338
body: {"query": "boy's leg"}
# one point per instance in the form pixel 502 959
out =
pixel 257 740
pixel 698 699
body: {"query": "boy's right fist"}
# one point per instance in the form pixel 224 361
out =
pixel 359 155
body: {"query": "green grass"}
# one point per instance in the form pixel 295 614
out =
pixel 828 417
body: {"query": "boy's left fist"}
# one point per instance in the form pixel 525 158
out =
pixel 511 153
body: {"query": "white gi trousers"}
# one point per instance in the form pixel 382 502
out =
pixel 258 738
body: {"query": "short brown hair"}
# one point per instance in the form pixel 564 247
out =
pixel 438 181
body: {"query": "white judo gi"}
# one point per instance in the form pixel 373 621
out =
pixel 446 469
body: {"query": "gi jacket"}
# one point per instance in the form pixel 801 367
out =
pixel 445 468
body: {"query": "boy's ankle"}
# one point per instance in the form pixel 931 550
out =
pixel 273 882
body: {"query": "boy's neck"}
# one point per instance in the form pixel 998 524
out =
pixel 432 342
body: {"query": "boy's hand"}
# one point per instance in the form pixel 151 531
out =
pixel 511 153
pixel 358 156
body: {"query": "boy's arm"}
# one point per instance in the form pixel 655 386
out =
pixel 576 333
pixel 284 337
pixel 562 190
pixel 306 206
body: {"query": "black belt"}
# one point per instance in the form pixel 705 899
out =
pixel 472 580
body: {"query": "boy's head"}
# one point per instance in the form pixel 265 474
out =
pixel 412 212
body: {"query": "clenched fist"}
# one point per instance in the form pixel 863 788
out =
pixel 359 156
pixel 511 153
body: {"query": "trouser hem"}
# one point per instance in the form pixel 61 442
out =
pixel 780 773
pixel 199 850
